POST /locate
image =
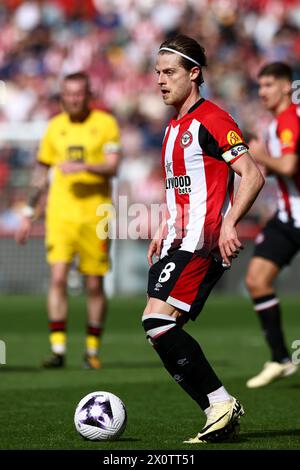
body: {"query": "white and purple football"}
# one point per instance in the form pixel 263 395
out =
pixel 100 416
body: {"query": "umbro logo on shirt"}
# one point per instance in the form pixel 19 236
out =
pixel 158 285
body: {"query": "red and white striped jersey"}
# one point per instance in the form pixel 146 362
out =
pixel 196 156
pixel 283 138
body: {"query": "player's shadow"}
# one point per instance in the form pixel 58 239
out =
pixel 268 434
pixel 294 385
pixel 107 366
pixel 133 365
pixel 248 436
pixel 19 368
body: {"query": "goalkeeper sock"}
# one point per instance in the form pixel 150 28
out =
pixel 58 337
pixel 94 333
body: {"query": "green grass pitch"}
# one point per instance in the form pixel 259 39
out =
pixel 37 406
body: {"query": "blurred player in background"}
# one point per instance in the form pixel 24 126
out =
pixel 279 241
pixel 82 148
pixel 202 149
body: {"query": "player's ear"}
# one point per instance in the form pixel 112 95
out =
pixel 194 73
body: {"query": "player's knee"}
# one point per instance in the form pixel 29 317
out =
pixel 94 287
pixel 157 324
pixel 253 280
pixel 59 281
pixel 256 283
pixel 94 291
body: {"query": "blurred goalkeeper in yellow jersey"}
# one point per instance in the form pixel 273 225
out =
pixel 82 147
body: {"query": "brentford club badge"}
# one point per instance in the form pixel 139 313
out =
pixel 186 139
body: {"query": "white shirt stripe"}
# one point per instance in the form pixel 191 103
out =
pixel 171 199
pixel 195 170
pixel 294 199
pixel 274 147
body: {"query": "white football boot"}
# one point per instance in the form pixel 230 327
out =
pixel 222 423
pixel 272 371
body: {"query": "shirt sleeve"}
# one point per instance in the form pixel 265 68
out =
pixel 46 152
pixel 112 142
pixel 224 139
pixel 288 131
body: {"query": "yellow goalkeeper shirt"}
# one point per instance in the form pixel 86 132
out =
pixel 75 197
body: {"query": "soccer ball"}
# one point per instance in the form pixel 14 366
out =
pixel 100 416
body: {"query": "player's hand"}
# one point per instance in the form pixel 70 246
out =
pixel 72 167
pixel 229 244
pixel 23 232
pixel 154 248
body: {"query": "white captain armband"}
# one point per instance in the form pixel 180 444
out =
pixel 111 147
pixel 234 153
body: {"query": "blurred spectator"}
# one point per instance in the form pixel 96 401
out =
pixel 115 41
pixel 4 172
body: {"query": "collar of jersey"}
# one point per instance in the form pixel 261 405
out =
pixel 191 110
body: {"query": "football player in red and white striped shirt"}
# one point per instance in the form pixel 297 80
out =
pixel 280 239
pixel 202 149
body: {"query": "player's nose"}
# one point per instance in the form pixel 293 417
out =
pixel 160 79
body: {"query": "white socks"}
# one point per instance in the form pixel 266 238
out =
pixel 218 396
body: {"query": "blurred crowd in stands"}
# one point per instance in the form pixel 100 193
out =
pixel 116 42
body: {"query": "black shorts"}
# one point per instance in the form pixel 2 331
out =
pixel 278 242
pixel 184 280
